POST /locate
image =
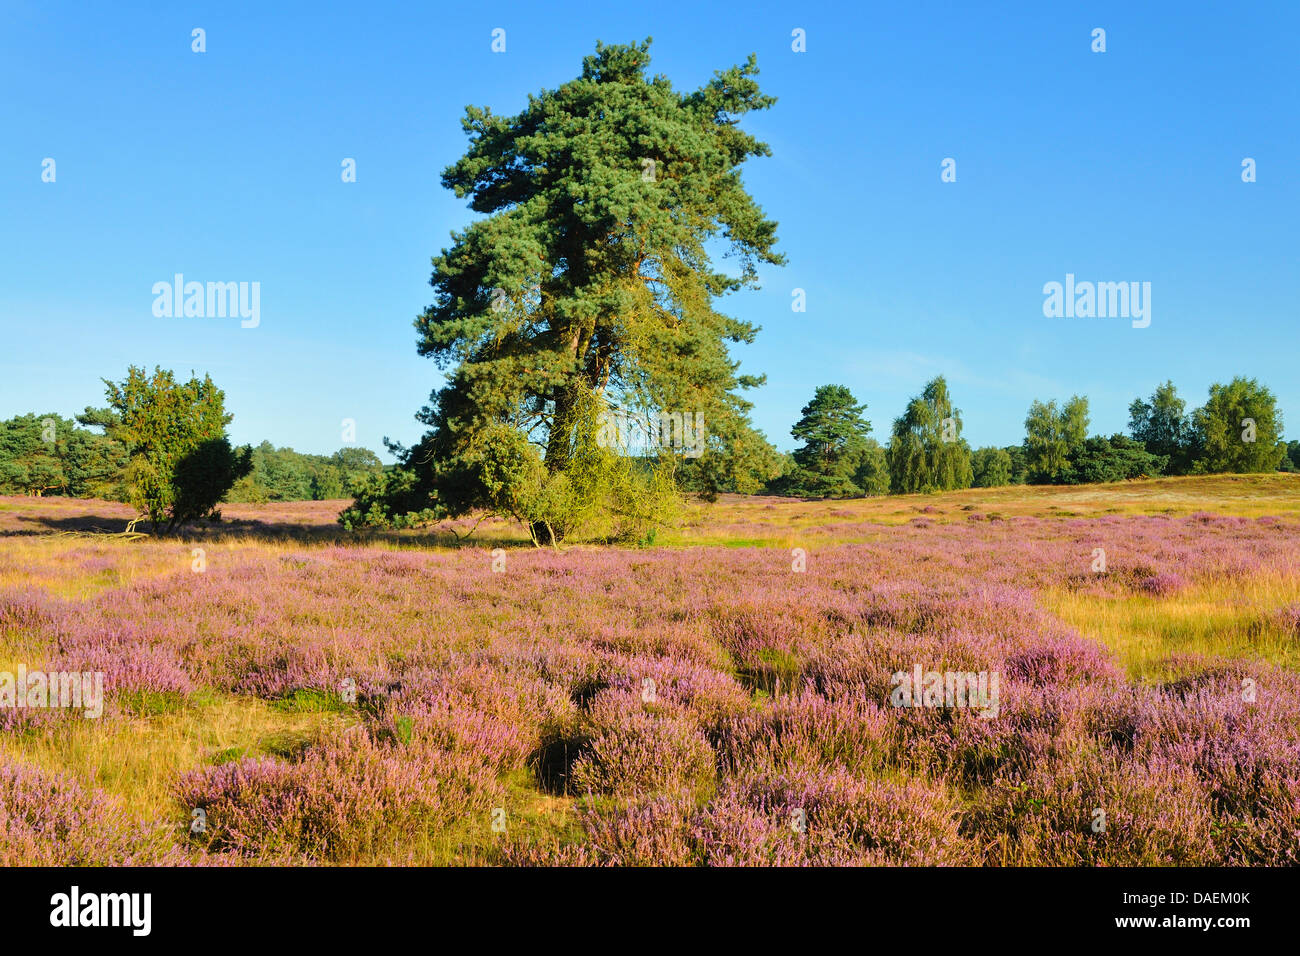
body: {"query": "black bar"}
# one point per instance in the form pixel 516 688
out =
pixel 345 906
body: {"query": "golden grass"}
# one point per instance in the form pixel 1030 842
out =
pixel 139 758
pixel 1225 619
pixel 781 522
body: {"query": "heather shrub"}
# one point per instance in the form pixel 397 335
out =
pixel 637 748
pixel 807 729
pixel 51 820
pixel 23 609
pixel 702 694
pixel 347 798
pixel 1093 807
pixel 133 672
pixel 1245 753
pixel 444 727
pixel 732 832
pixel 684 702
pixel 766 639
pixel 848 819
pixel 1161 585
pixel 651 831
pixel 1288 618
pixel 1060 659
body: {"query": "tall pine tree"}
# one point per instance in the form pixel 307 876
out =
pixel 589 281
pixel 834 436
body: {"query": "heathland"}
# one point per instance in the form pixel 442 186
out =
pixel 279 689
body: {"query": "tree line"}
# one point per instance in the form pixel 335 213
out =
pixel 151 423
pixel 1238 429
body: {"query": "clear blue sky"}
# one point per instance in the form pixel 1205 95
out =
pixel 225 166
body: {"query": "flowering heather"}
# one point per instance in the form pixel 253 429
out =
pixel 343 799
pixel 391 700
pixel 1162 585
pixel 51 820
pixel 1288 618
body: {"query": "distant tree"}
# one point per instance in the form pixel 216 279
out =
pixel 180 463
pixel 1019 464
pixel 48 454
pixel 744 466
pixel 833 433
pixel 353 464
pixel 1164 428
pixel 1045 447
pixel 288 474
pixel 29 464
pixel 282 474
pixel 1114 459
pixel 872 472
pixel 991 467
pixel 327 483
pixel 1292 460
pixel 1239 429
pixel 94 464
pixel 926 451
pixel 1053 438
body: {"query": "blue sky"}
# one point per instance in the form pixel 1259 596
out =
pixel 225 166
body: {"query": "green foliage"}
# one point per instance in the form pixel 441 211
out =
pixel 992 467
pixel 1019 464
pixel 1114 459
pixel 282 474
pixel 834 436
pixel 1223 433
pixel 590 275
pixel 202 477
pixel 1053 438
pixel 390 499
pixel 327 484
pixel 599 494
pixel 49 454
pixel 871 474
pixel 926 450
pixel 1164 428
pixel 1292 460
pixel 179 461
pixel 742 463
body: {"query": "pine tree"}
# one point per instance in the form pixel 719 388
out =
pixel 834 436
pixel 590 274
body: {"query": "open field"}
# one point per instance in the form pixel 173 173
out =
pixel 704 701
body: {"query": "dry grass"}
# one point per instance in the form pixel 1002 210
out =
pixel 1230 619
pixel 137 758
pixel 745 521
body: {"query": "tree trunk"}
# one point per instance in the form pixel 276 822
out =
pixel 557 443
